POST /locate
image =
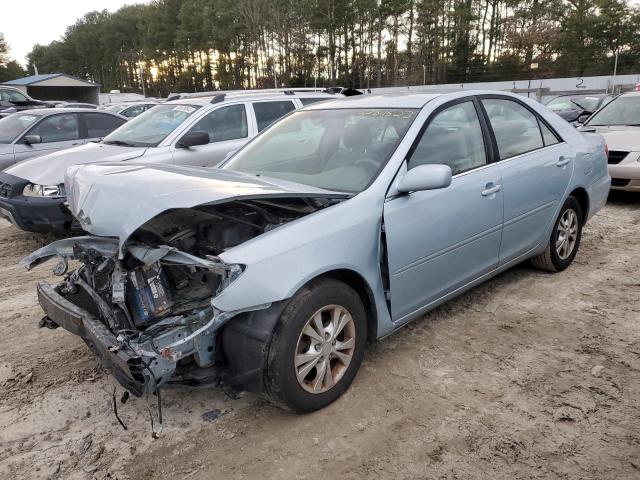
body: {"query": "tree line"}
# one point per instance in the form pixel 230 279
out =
pixel 193 45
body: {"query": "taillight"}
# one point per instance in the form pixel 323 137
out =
pixel 606 150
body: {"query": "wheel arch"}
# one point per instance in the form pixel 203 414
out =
pixel 362 288
pixel 581 195
pixel 245 338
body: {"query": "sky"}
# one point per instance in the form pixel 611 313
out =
pixel 42 21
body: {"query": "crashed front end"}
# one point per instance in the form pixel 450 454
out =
pixel 146 313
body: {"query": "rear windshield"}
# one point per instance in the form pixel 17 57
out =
pixel 11 127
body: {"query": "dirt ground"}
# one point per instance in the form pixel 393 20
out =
pixel 531 375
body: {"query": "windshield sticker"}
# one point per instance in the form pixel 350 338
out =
pixel 183 108
pixel 405 114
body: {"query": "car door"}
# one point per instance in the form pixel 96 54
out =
pixel 536 168
pixel 227 129
pixel 56 132
pixel 96 126
pixel 438 241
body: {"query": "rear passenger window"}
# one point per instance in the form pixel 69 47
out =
pixel 58 128
pixel 548 136
pixel 454 137
pixel 100 125
pixel 515 127
pixel 269 112
pixel 225 123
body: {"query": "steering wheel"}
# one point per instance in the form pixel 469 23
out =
pixel 368 164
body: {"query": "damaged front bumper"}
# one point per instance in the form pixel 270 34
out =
pixel 124 364
pixel 176 349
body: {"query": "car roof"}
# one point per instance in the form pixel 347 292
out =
pixel 633 93
pixel 221 97
pixel 130 104
pixel 386 100
pixel 50 111
pixel 598 95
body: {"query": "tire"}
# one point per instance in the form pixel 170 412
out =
pixel 290 343
pixel 559 255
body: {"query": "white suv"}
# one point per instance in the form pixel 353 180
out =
pixel 196 131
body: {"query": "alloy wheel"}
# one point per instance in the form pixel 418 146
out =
pixel 567 234
pixel 325 349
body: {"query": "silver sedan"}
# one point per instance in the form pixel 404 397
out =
pixel 338 224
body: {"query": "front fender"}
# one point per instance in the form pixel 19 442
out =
pixel 343 237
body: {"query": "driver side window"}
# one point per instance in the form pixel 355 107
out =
pixel 57 128
pixel 453 137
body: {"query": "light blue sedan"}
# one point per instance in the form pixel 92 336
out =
pixel 337 225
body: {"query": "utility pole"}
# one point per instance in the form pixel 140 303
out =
pixel 424 74
pixel 615 71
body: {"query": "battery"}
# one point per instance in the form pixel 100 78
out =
pixel 148 296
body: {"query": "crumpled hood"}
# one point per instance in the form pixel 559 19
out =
pixel 49 169
pixel 621 137
pixel 113 200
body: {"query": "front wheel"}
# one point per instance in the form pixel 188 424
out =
pixel 565 239
pixel 316 348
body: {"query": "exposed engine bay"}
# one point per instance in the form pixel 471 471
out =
pixel 154 295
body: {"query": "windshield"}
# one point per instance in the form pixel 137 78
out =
pixel 341 149
pixel 151 127
pixel 624 110
pixel 13 125
pixel 585 102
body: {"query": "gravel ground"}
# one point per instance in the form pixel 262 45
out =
pixel 531 375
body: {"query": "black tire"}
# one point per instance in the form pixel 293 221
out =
pixel 550 259
pixel 280 383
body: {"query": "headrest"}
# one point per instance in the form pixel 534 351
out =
pixel 357 136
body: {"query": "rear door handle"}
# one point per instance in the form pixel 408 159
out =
pixel 490 189
pixel 562 161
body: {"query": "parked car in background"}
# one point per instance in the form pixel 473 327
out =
pixel 199 131
pixel 39 132
pixel 619 123
pixel 339 224
pixel 14 100
pixel 65 104
pixel 577 108
pixel 129 109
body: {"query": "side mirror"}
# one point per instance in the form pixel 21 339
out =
pixel 586 129
pixel 584 117
pixel 192 139
pixel 32 139
pixel 425 177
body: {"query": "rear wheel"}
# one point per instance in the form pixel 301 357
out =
pixel 316 348
pixel 565 239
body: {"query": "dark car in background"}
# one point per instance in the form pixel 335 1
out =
pixel 14 100
pixel 572 107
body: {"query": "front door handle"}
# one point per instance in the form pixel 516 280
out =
pixel 490 189
pixel 562 161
